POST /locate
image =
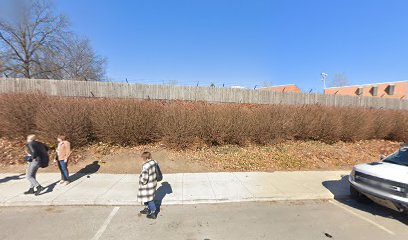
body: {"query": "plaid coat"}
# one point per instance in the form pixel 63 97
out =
pixel 147 182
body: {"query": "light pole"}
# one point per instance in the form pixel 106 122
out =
pixel 324 77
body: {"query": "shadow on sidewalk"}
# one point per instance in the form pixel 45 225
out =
pixel 161 193
pixel 11 178
pixel 50 188
pixel 339 189
pixel 87 170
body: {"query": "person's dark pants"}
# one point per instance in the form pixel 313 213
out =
pixel 151 205
pixel 62 165
pixel 59 167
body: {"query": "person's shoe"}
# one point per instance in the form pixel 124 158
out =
pixel 39 189
pixel 145 211
pixel 66 183
pixel 61 182
pixel 152 215
pixel 30 191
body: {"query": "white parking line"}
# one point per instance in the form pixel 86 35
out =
pixel 362 217
pixel 105 224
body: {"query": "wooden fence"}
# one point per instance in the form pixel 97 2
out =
pixel 189 93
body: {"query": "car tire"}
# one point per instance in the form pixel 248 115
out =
pixel 359 197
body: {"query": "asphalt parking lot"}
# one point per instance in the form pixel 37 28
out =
pixel 258 220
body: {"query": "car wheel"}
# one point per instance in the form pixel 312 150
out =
pixel 359 197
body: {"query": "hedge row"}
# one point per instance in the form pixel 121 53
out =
pixel 186 124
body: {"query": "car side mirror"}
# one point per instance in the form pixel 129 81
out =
pixel 382 157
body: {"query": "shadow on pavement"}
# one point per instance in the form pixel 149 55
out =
pixel 339 189
pixel 87 170
pixel 11 178
pixel 50 187
pixel 161 193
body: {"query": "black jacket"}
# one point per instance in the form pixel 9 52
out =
pixel 38 151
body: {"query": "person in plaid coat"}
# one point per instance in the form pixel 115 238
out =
pixel 147 186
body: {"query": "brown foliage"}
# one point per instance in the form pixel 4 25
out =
pixel 126 122
pixel 223 124
pixel 64 116
pixel 17 112
pixel 179 124
pixel 186 124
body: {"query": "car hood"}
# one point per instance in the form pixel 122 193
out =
pixel 389 171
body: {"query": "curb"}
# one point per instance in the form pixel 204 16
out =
pixel 167 203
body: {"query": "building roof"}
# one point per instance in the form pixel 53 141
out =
pixel 278 86
pixel 283 88
pixel 370 84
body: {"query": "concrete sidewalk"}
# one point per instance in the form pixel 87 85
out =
pixel 183 188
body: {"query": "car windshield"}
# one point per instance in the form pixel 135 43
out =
pixel 400 157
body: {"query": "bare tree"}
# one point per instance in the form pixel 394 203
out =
pixel 339 80
pixel 28 36
pixel 36 43
pixel 81 62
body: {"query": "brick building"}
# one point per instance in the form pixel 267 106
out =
pixel 397 90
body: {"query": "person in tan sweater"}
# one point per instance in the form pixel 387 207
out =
pixel 63 153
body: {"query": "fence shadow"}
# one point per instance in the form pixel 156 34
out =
pixel 161 193
pixel 340 190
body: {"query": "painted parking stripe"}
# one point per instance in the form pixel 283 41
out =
pixel 105 224
pixel 362 217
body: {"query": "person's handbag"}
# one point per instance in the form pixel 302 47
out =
pixel 159 175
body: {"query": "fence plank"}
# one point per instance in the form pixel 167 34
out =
pixel 190 93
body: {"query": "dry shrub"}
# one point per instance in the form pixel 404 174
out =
pixel 400 130
pixel 383 124
pixel 64 116
pixel 356 124
pixel 179 125
pixel 126 122
pixel 17 114
pixel 271 124
pixel 223 124
pixel 188 124
pixel 317 123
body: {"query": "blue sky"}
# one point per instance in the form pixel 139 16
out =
pixel 246 42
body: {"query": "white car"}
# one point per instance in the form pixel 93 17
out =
pixel 384 182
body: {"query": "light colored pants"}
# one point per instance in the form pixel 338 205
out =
pixel 31 172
